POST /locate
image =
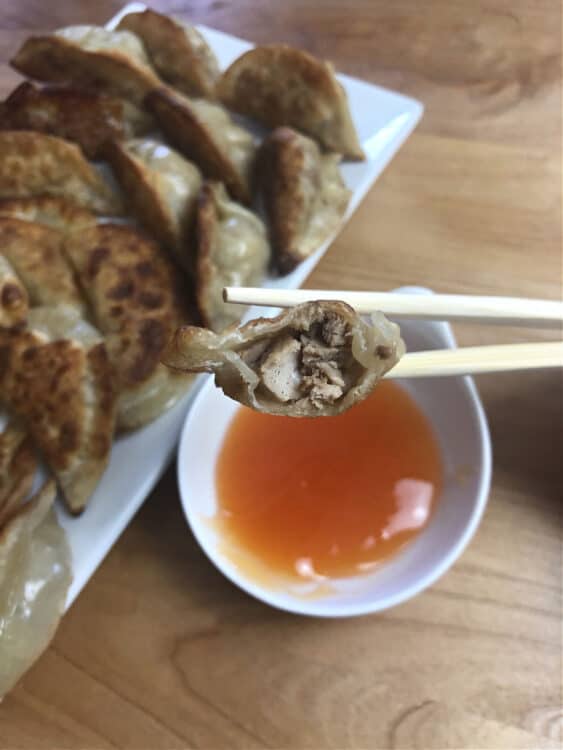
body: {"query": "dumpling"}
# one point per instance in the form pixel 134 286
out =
pixel 135 294
pixel 37 164
pixel 280 85
pixel 206 133
pixel 35 575
pixel 57 377
pixel 161 188
pixel 56 213
pixel 178 51
pixel 88 118
pixel 18 464
pixel 35 253
pixel 232 250
pixel 14 301
pixel 304 195
pixel 316 359
pixel 89 56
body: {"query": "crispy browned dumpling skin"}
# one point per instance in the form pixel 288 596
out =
pixel 280 85
pixel 56 375
pixel 206 134
pixel 161 188
pixel 316 359
pixel 231 250
pixel 56 213
pixel 89 56
pixel 35 252
pixel 304 195
pixel 35 575
pixel 134 291
pixel 38 164
pixel 88 118
pixel 178 51
pixel 14 300
pixel 18 464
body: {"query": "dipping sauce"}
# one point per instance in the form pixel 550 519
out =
pixel 329 497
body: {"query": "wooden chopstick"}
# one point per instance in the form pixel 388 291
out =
pixel 501 310
pixel 472 360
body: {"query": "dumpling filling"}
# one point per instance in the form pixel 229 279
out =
pixel 317 365
pixel 316 359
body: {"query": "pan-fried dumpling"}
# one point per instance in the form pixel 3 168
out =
pixel 14 300
pixel 18 464
pixel 57 377
pixel 280 85
pixel 89 56
pixel 88 118
pixel 135 296
pixel 35 575
pixel 206 133
pixel 316 359
pixel 56 213
pixel 304 195
pixel 232 250
pixel 178 51
pixel 161 188
pixel 35 253
pixel 38 164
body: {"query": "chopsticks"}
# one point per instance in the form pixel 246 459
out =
pixel 473 360
pixel 456 307
pixel 470 360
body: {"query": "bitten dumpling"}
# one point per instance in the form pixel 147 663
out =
pixel 178 51
pixel 316 359
pixel 231 250
pixel 205 132
pixel 161 187
pixel 304 195
pixel 90 56
pixel 280 85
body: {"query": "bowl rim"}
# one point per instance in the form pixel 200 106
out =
pixel 309 607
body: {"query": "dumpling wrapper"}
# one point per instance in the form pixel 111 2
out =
pixel 316 359
pixel 178 51
pixel 205 132
pixel 14 300
pixel 38 164
pixel 56 213
pixel 35 575
pixel 88 118
pixel 56 376
pixel 161 188
pixel 279 85
pixel 232 250
pixel 137 301
pixel 304 195
pixel 35 253
pixel 90 56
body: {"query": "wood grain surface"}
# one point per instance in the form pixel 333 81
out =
pixel 160 651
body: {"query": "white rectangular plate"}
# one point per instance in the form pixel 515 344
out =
pixel 384 120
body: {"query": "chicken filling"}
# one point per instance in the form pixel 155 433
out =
pixel 316 364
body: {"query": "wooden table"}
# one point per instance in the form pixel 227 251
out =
pixel 160 651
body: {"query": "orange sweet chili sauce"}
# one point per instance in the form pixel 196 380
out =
pixel 332 496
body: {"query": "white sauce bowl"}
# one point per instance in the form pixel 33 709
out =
pixel 455 412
